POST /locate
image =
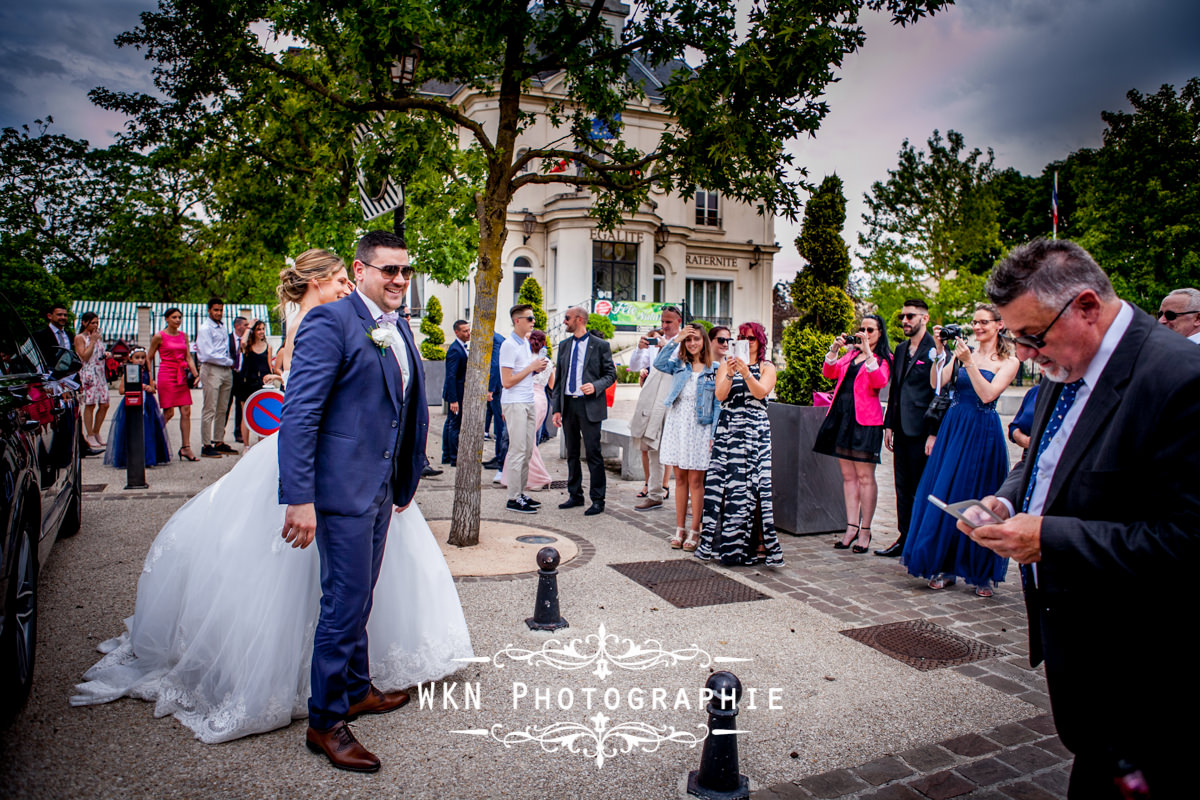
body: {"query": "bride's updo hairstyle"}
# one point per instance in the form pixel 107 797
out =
pixel 310 265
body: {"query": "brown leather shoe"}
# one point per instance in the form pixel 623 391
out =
pixel 377 702
pixel 341 748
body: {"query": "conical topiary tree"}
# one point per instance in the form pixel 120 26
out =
pixel 431 326
pixel 818 294
pixel 531 293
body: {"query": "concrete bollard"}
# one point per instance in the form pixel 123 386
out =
pixel 545 610
pixel 718 777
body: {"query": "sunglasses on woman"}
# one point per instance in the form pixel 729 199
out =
pixel 722 339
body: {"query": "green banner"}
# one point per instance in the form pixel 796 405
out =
pixel 631 312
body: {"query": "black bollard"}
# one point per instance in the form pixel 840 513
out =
pixel 545 611
pixel 718 777
pixel 135 430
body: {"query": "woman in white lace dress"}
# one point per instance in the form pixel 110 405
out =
pixel 222 632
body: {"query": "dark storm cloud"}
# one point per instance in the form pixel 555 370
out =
pixel 53 52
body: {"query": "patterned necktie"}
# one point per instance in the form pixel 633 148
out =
pixel 1065 400
pixel 572 382
pixel 389 317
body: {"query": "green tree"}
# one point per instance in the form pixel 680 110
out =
pixel 1139 202
pixel 601 326
pixel 933 223
pixel 531 293
pixel 818 294
pixel 431 326
pixel 732 113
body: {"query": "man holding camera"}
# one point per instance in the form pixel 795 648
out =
pixel 905 429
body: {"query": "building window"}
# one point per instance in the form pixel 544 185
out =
pixel 614 271
pixel 710 300
pixel 707 208
pixel 522 269
pixel 660 284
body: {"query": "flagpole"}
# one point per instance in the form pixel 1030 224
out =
pixel 1054 203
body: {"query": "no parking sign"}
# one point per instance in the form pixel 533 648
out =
pixel 263 411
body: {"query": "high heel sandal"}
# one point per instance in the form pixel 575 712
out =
pixel 666 493
pixel 189 457
pixel 645 492
pixel 677 539
pixel 693 541
pixel 844 545
pixel 864 548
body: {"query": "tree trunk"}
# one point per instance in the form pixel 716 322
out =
pixel 493 230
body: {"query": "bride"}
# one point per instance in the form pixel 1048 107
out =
pixel 222 633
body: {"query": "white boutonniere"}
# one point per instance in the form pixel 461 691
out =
pixel 380 338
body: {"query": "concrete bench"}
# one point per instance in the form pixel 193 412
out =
pixel 615 442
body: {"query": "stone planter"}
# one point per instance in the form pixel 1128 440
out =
pixel 435 379
pixel 807 485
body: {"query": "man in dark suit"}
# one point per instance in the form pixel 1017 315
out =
pixel 585 370
pixel 1104 511
pixel 452 390
pixel 351 444
pixel 54 334
pixel 905 431
pixel 495 389
pixel 240 324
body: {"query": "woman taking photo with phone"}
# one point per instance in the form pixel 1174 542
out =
pixel 853 428
pixel 969 459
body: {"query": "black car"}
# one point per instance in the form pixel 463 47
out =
pixel 40 451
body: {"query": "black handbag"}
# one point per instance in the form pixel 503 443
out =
pixel 938 405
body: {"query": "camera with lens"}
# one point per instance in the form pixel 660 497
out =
pixel 950 332
pixel 852 339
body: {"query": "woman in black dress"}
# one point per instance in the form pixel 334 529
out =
pixel 257 362
pixel 853 427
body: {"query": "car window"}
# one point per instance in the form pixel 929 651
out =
pixel 19 353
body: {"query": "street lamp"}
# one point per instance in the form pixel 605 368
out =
pixel 661 235
pixel 404 70
pixel 756 257
pixel 528 224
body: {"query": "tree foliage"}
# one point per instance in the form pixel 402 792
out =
pixel 221 80
pixel 601 326
pixel 431 326
pixel 818 294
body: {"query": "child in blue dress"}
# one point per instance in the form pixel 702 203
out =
pixel 158 449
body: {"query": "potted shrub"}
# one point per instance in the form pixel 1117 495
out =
pixel 433 354
pixel 808 486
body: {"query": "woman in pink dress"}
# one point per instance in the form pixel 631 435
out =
pixel 539 476
pixel 171 345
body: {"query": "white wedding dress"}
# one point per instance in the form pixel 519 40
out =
pixel 223 629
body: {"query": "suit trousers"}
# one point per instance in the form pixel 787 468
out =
pixel 908 462
pixel 500 430
pixel 654 476
pixel 450 436
pixel 576 426
pixel 519 421
pixel 351 550
pixel 218 388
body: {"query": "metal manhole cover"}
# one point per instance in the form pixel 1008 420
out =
pixel 536 539
pixel 92 487
pixel 922 644
pixel 558 484
pixel 687 584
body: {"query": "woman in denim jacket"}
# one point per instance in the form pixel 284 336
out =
pixel 687 431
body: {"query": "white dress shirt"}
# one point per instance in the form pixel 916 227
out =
pixel 399 347
pixel 1195 338
pixel 643 357
pixel 212 344
pixel 579 353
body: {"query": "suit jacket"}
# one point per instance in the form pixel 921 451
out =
pixel 1120 540
pixel 456 372
pixel 494 384
pixel 650 413
pixel 911 393
pixel 47 341
pixel 598 370
pixel 346 428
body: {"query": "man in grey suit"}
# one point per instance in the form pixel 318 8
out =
pixel 585 370
pixel 1104 512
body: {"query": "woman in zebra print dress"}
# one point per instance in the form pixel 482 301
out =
pixel 739 521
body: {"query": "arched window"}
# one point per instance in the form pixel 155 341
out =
pixel 522 269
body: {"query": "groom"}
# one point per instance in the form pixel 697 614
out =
pixel 351 444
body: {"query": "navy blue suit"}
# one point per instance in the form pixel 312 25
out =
pixel 452 392
pixel 352 444
pixel 496 388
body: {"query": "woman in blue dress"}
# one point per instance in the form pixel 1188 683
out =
pixel 969 460
pixel 158 450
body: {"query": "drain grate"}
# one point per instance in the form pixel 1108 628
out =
pixel 922 644
pixel 687 584
pixel 558 484
pixel 92 487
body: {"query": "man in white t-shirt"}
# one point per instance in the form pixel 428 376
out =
pixel 518 365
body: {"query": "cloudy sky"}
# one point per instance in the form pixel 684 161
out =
pixel 1028 78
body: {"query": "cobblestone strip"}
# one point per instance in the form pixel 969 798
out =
pixel 1018 761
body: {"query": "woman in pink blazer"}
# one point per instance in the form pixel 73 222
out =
pixel 853 428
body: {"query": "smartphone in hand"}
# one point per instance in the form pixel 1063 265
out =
pixel 972 512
